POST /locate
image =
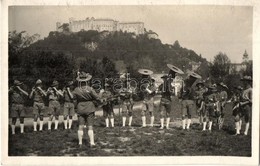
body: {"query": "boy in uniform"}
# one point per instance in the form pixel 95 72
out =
pixel 38 95
pixel 85 96
pixel 18 96
pixel 68 105
pixel 108 110
pixel 54 105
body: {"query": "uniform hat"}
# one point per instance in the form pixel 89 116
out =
pixel 38 82
pixel 200 83
pixel 175 69
pixel 195 75
pixel 145 72
pixel 69 83
pixel 17 83
pixel 223 85
pixel 83 76
pixel 55 83
pixel 246 78
pixel 213 88
pixel 238 87
pixel 164 77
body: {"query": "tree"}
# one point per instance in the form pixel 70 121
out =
pixel 219 69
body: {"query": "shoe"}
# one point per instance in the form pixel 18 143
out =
pixel 92 146
pixel 161 128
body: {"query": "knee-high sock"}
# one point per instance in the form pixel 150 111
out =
pixel 210 125
pixel 49 125
pixel 130 120
pixel 56 124
pixel 70 123
pixel 41 125
pixel 247 127
pixel 34 126
pixel 112 122
pixel 167 122
pixel 80 136
pixel 152 121
pixel 13 129
pixel 66 124
pixel 162 122
pixel 22 127
pixel 144 121
pixel 183 123
pixel 107 122
pixel 188 123
pixel 204 126
pixel 240 124
pixel 237 127
pixel 91 137
pixel 124 119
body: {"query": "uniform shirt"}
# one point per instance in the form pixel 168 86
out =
pixel 222 96
pixel 199 94
pixel 38 96
pixel 187 93
pixel 53 95
pixel 85 94
pixel 66 96
pixel 17 97
pixel 147 95
pixel 166 90
pixel 247 95
pixel 210 99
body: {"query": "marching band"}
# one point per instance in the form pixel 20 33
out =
pixel 210 102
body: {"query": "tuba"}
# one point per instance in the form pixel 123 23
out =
pixel 172 73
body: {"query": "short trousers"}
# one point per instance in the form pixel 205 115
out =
pixel 187 106
pixel 127 107
pixel 54 108
pixel 68 109
pixel 86 107
pixel 86 119
pixel 165 105
pixel 108 110
pixel 38 108
pixel 17 110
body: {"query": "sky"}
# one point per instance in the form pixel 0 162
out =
pixel 207 30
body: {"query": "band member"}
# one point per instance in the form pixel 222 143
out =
pixel 108 110
pixel 68 105
pixel 222 97
pixel 38 95
pixel 148 90
pixel 187 96
pixel 85 95
pixel 200 102
pixel 246 102
pixel 237 111
pixel 18 97
pixel 127 108
pixel 210 107
pixel 167 90
pixel 54 105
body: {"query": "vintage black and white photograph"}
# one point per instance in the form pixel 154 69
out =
pixel 130 80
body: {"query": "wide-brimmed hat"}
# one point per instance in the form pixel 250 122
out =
pixel 83 76
pixel 246 78
pixel 195 75
pixel 223 85
pixel 55 83
pixel 213 88
pixel 145 72
pixel 38 82
pixel 164 77
pixel 175 69
pixel 239 87
pixel 69 83
pixel 200 83
pixel 17 83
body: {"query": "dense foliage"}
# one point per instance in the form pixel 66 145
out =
pixel 60 55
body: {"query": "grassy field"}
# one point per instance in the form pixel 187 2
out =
pixel 135 141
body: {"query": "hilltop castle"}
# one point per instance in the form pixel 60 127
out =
pixel 103 24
